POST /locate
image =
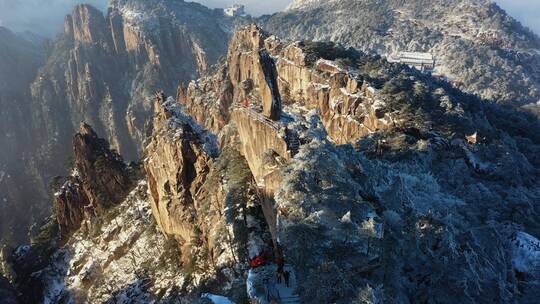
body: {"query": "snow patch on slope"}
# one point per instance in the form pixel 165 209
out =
pixel 123 259
pixel 216 299
pixel 307 4
pixel 180 118
pixel 526 253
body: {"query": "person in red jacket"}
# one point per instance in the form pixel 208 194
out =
pixel 259 260
pixel 246 103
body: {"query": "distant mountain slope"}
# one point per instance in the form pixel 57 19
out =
pixel 104 68
pixel 21 188
pixel 473 41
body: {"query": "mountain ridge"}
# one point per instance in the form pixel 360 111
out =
pixel 474 42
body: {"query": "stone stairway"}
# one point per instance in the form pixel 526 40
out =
pixel 290 300
pixel 289 295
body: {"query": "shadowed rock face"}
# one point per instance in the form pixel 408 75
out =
pixel 257 137
pixel 99 181
pixel 8 295
pixel 101 169
pixel 267 74
pixel 69 206
pixel 22 187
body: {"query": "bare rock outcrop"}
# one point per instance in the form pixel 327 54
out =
pixel 177 164
pixel 348 106
pixel 265 72
pixel 70 203
pixel 208 100
pixel 249 73
pixel 86 25
pixel 102 170
pixel 250 62
pixel 99 181
pixel 200 195
pixel 259 136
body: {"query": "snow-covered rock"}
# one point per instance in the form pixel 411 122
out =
pixel 526 253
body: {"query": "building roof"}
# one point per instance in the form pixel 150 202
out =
pixel 416 58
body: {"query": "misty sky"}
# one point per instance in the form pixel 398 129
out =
pixel 46 16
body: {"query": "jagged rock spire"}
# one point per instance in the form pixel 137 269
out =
pixel 268 86
pixel 99 181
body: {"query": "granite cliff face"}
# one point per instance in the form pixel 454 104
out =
pixel 177 167
pixel 300 73
pixel 202 197
pixel 103 69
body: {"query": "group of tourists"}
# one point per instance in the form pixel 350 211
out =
pixel 281 273
pixel 282 276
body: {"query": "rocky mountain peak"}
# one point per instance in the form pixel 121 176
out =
pixel 88 147
pixel 99 180
pixel 177 165
pixel 86 130
pixel 86 24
